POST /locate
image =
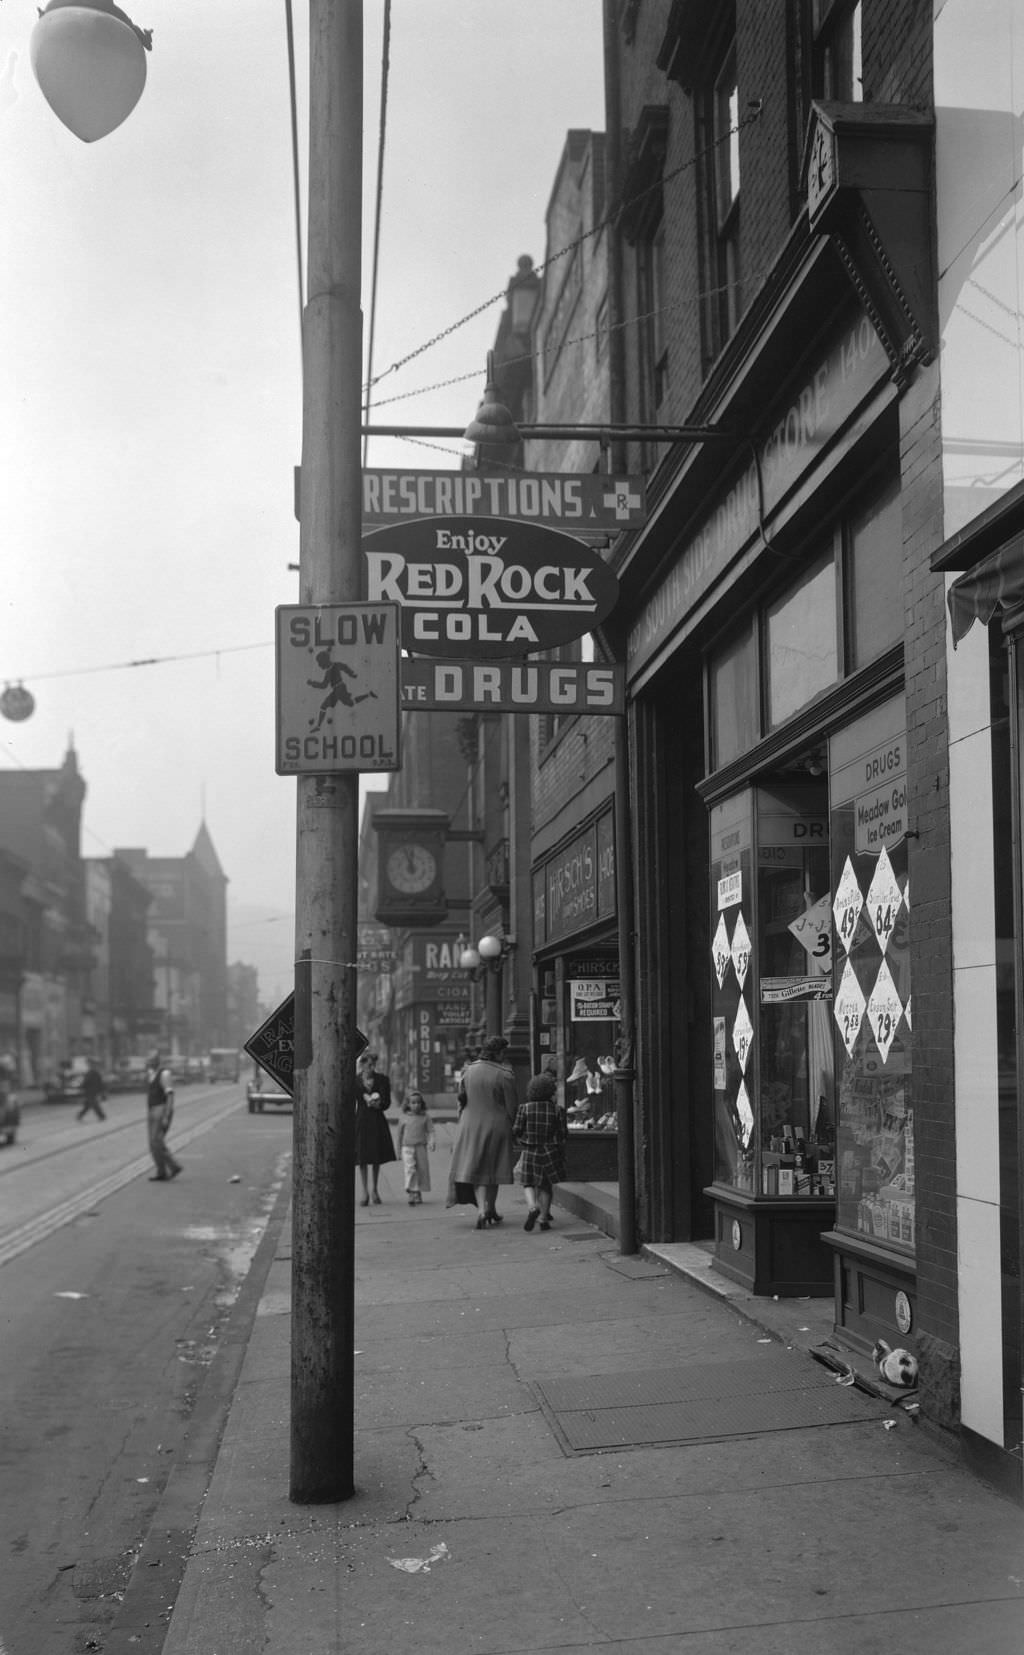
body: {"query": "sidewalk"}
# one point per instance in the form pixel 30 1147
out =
pixel 560 1448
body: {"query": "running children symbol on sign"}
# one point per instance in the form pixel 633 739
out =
pixel 338 692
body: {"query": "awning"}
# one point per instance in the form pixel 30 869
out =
pixel 996 583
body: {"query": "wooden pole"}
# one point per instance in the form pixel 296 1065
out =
pixel 327 836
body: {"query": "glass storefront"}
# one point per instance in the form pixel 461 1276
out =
pixel 873 1009
pixel 771 957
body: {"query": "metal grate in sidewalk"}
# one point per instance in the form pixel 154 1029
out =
pixel 775 1391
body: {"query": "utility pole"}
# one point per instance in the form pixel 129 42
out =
pixel 327 828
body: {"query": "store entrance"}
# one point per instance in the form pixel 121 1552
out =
pixel 773 1081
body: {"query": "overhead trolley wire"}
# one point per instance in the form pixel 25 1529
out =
pixel 570 247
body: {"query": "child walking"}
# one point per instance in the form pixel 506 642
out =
pixel 415 1137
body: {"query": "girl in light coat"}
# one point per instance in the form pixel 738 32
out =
pixel 415 1138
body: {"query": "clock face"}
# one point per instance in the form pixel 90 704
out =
pixel 411 868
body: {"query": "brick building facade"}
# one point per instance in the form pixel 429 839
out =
pixel 771 280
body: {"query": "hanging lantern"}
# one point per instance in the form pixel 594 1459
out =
pixel 90 61
pixel 17 703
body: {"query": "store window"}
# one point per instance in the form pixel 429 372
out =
pixel 732 683
pixel 874 603
pixel 801 642
pixel 771 1005
pixel 872 1011
pixel 842 612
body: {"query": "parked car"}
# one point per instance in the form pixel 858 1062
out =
pixel 10 1117
pixel 263 1092
pixel 66 1085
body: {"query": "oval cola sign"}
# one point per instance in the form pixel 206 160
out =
pixel 481 587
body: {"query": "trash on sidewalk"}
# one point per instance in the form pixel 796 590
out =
pixel 420 1565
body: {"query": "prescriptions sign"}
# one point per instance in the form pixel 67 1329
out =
pixel 487 587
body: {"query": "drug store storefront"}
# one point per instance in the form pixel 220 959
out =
pixel 774 998
pixel 576 1008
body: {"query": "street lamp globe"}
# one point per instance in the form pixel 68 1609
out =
pixel 89 59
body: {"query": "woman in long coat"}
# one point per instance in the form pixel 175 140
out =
pixel 373 1142
pixel 483 1157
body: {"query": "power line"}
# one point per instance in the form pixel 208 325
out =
pixel 587 235
pixel 143 661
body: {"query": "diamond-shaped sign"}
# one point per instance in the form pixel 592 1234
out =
pixel 884 1010
pixel 746 1114
pixel 849 1008
pixel 273 1045
pixel 884 899
pixel 846 907
pixel 742 1034
pixel 720 950
pixel 740 950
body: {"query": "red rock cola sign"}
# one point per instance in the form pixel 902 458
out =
pixel 487 587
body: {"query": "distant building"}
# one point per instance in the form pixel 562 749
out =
pixel 187 932
pixel 47 948
pixel 243 1003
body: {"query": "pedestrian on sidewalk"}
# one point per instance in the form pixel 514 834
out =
pixel 159 1114
pixel 482 1157
pixel 415 1139
pixel 540 1132
pixel 93 1093
pixel 374 1145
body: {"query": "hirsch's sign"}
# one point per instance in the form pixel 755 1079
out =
pixel 487 586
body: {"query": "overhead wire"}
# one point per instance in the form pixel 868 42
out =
pixel 570 247
pixel 385 70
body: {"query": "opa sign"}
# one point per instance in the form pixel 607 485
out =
pixel 487 587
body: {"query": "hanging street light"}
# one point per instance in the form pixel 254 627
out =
pixel 89 59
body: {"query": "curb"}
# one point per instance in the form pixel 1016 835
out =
pixel 142 1621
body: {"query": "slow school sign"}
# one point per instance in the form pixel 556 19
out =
pixel 337 688
pixel 487 587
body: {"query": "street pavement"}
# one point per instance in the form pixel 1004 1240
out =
pixel 558 1448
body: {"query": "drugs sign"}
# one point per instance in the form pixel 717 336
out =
pixel 487 587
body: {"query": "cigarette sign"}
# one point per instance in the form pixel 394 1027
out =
pixel 337 688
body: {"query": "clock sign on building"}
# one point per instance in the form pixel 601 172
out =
pixel 410 863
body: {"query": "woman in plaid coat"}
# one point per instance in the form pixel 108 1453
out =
pixel 539 1131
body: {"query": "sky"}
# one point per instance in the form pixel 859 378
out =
pixel 150 391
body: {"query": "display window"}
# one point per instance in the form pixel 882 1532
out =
pixel 771 993
pixel 872 1010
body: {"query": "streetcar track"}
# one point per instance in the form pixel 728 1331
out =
pixel 112 1128
pixel 44 1224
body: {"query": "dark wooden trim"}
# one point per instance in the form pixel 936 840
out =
pixel 848 699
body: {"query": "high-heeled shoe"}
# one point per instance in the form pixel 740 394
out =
pixel 482 1221
pixel 492 1216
